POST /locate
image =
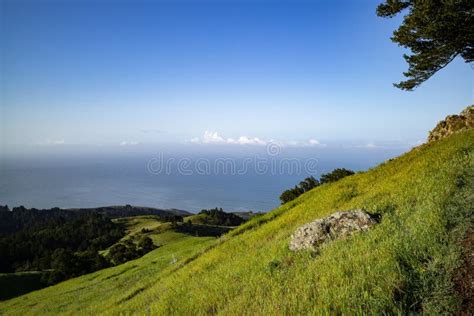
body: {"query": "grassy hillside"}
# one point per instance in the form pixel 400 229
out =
pixel 103 289
pixel 142 225
pixel 135 224
pixel 402 265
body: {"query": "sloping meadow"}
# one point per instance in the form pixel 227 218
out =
pixel 403 264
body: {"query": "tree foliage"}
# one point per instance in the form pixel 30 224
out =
pixel 335 175
pixel 66 243
pixel 67 264
pixel 304 186
pixel 129 250
pixel 310 183
pixel 217 216
pixel 289 195
pixel 436 32
pixel 21 217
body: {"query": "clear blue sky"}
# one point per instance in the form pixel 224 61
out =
pixel 106 72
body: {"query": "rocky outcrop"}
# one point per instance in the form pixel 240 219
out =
pixel 313 235
pixel 452 124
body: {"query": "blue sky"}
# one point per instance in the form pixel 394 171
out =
pixel 145 72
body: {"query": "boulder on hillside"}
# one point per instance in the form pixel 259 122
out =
pixel 338 225
pixel 452 124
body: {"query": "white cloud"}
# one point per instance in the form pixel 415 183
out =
pixel 58 142
pixel 128 143
pixel 212 138
pixel 369 145
pixel 291 143
pixel 308 143
pixel 195 140
pixel 52 142
pixel 244 140
pixel 215 138
pixel 316 143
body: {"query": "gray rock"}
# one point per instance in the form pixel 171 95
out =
pixel 338 225
pixel 453 124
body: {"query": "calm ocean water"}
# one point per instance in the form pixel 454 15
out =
pixel 235 181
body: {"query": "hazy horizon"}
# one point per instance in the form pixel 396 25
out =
pixel 166 178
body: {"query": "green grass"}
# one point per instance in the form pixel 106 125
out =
pixel 202 219
pixel 402 265
pixel 196 218
pixel 134 224
pixel 106 289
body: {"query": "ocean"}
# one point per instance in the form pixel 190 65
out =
pixel 184 178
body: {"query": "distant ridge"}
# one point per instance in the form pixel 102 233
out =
pixel 10 222
pixel 129 210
